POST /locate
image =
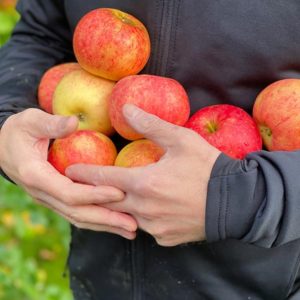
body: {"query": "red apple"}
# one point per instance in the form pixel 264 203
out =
pixel 110 43
pixel 161 96
pixel 228 128
pixel 50 80
pixel 82 146
pixel 139 153
pixel 86 96
pixel 276 112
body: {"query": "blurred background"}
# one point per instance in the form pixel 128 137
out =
pixel 33 241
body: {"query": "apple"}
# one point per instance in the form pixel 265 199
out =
pixel 85 96
pixel 161 96
pixel 82 146
pixel 111 44
pixel 276 112
pixel 50 80
pixel 139 153
pixel 8 4
pixel 228 128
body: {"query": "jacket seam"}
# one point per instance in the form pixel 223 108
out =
pixel 171 68
pixel 166 57
pixel 220 211
pixel 159 33
pixel 226 209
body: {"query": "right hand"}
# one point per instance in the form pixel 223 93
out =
pixel 24 142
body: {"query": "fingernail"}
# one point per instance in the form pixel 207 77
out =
pixel 117 196
pixel 129 235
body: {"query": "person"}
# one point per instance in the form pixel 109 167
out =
pixel 197 224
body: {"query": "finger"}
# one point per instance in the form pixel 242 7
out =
pixel 89 214
pixel 90 226
pixel 152 127
pixel 122 178
pixel 46 178
pixel 40 124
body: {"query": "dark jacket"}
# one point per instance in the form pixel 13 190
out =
pixel 221 52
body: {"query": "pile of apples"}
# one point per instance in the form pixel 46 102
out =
pixel 111 48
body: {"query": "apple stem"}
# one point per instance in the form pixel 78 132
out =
pixel 81 117
pixel 211 127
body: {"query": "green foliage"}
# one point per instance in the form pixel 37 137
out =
pixel 33 248
pixel 8 19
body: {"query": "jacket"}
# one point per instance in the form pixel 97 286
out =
pixel 221 52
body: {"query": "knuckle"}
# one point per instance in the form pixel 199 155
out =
pixel 146 185
pixel 26 115
pixel 50 128
pixel 99 177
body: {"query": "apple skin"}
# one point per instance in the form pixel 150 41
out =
pixel 111 44
pixel 8 4
pixel 228 128
pixel 139 153
pixel 85 96
pixel 161 96
pixel 276 113
pixel 50 80
pixel 82 146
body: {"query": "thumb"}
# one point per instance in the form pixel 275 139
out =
pixel 43 125
pixel 152 127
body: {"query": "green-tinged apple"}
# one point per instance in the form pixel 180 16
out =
pixel 161 96
pixel 85 96
pixel 228 128
pixel 139 153
pixel 82 146
pixel 50 80
pixel 276 112
pixel 111 44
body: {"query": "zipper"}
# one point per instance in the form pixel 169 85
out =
pixel 164 37
pixel 135 274
pixel 165 12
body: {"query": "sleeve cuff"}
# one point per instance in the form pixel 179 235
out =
pixel 231 198
pixel 2 120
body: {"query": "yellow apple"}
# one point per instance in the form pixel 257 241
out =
pixel 49 82
pixel 85 96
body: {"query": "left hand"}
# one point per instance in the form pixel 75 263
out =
pixel 167 198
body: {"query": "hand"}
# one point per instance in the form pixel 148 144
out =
pixel 24 141
pixel 168 198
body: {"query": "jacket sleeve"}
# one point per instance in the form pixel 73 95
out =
pixel 40 40
pixel 256 200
